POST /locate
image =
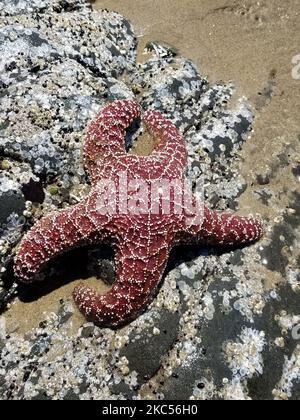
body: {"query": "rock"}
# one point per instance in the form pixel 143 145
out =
pixel 50 69
pixel 275 255
pixel 12 201
pixel 101 264
pixel 51 145
pixel 208 372
pixel 102 41
pixel 296 392
pixel 41 396
pixel 145 351
pixel 162 49
pixel 23 52
pixel 122 389
pixel 296 171
pixel 33 191
pixel 12 206
pixel 167 91
pixel 87 330
pixel 7 293
pixel 15 7
pixel 224 133
pixel 2 331
pixel 65 312
pixel 40 347
pixel 261 387
pixel 263 179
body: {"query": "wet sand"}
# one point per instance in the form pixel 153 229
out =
pixel 17 319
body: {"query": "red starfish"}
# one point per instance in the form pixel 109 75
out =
pixel 141 234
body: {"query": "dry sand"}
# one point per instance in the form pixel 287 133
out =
pixel 248 42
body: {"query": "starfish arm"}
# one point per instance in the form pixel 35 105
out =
pixel 137 278
pixel 57 233
pixel 105 140
pixel 170 147
pixel 223 229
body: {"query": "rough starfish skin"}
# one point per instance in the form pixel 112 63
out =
pixel 142 242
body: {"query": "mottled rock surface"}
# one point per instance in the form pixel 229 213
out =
pixel 225 324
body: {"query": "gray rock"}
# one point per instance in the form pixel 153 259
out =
pixel 53 117
pixel 283 235
pixel 65 312
pixel 12 201
pixel 145 351
pixel 101 264
pixel 87 330
pixel 24 51
pixel 15 7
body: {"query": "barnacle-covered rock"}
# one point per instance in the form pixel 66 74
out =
pixel 16 7
pixel 102 41
pixel 46 113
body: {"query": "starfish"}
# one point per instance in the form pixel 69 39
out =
pixel 117 212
